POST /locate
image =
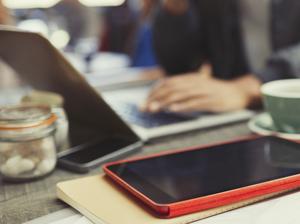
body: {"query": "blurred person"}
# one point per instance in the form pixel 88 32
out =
pixel 120 24
pixel 147 7
pixel 222 51
pixel 143 53
pixel 8 77
pixel 4 15
pixel 72 15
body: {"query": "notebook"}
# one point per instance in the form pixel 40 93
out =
pixel 97 198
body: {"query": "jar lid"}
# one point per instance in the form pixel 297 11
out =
pixel 25 116
pixel 44 98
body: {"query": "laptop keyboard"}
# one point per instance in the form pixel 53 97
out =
pixel 132 114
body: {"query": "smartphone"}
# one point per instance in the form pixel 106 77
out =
pixel 206 177
pixel 87 156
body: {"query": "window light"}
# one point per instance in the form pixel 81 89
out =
pixel 94 3
pixel 26 4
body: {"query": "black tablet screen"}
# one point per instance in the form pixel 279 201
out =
pixel 196 173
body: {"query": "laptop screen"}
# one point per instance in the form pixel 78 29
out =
pixel 43 67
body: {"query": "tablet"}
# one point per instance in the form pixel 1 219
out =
pixel 201 178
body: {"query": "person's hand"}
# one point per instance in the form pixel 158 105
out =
pixel 202 92
pixel 176 7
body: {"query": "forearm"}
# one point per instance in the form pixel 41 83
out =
pixel 249 86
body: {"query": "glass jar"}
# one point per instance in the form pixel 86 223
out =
pixel 27 143
pixel 55 101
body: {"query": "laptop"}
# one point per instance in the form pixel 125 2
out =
pixel 149 126
pixel 92 123
pixel 44 67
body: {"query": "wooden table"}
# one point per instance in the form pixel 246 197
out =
pixel 23 202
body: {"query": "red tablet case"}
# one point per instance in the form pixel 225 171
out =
pixel 211 201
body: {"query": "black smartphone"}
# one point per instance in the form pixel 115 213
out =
pixel 85 157
pixel 90 145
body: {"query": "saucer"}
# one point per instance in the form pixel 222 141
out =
pixel 263 124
